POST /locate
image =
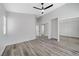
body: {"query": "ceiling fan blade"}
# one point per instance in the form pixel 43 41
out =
pixel 37 8
pixel 49 6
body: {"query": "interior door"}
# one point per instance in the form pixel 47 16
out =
pixel 37 30
pixel 45 29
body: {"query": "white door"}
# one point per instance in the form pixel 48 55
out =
pixel 37 30
pixel 45 29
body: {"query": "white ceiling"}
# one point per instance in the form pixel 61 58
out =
pixel 28 8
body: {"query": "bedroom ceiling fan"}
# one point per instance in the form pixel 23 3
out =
pixel 43 8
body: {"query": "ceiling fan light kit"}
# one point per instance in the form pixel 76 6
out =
pixel 43 9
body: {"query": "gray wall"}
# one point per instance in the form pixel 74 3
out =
pixel 2 39
pixel 68 10
pixel 20 27
pixel 69 27
pixel 2 14
pixel 54 28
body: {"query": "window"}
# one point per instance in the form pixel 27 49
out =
pixel 4 25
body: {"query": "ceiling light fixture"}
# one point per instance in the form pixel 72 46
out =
pixel 43 8
pixel 42 11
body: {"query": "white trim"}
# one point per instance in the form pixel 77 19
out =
pixel 67 18
pixel 58 30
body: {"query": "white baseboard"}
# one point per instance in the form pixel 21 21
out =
pixel 70 36
pixel 2 48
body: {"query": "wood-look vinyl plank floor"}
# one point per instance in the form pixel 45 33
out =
pixel 40 47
